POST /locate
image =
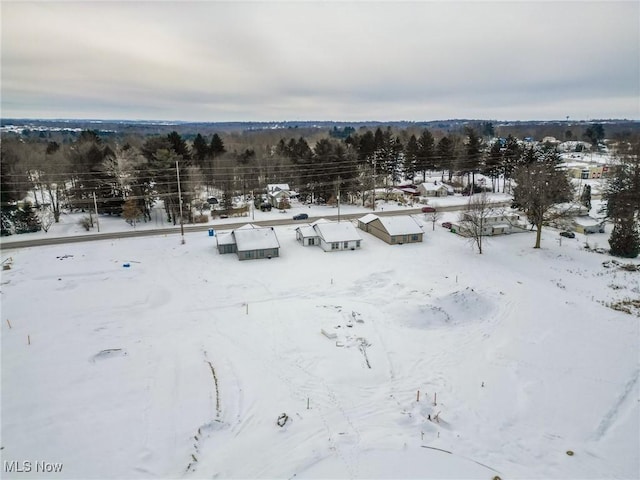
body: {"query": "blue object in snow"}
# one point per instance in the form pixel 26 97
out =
pixel 212 232
pixel 126 265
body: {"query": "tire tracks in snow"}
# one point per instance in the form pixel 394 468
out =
pixel 609 418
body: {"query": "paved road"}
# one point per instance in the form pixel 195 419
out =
pixel 12 245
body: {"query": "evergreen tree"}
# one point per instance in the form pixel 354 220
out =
pixel 625 239
pixel 585 197
pixel 178 145
pixel 622 202
pixel 411 155
pixel 493 163
pixel 200 150
pixel 26 219
pixel 594 134
pixel 426 153
pixel 473 155
pixel 216 148
pixel 445 152
pixel 512 157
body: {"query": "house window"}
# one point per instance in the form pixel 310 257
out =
pixel 261 253
pixel 357 243
pixel 248 254
pixel 312 241
pixel 335 246
pixel 346 244
pixel 414 238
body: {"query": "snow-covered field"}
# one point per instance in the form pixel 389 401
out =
pixel 181 364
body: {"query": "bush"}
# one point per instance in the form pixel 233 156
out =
pixel 86 223
pixel 26 220
pixel 201 218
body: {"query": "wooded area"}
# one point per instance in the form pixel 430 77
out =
pixel 125 173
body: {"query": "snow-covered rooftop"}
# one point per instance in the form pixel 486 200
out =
pixel 368 218
pixel 400 225
pixel 225 238
pixel 307 231
pixel 255 238
pixel 337 231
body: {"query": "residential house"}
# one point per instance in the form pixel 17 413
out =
pixel 330 236
pixel 395 230
pixel 433 189
pixel 250 242
pixel 586 224
pixel 494 224
pixel 279 195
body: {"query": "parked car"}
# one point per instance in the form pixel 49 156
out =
pixel 301 216
pixel 446 225
pixel 428 210
pixel 265 207
pixel 568 234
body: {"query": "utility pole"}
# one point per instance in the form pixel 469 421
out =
pixel 373 204
pixel 95 205
pixel 338 185
pixel 180 203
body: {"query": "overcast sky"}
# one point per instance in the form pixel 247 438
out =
pixel 265 61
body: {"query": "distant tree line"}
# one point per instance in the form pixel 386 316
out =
pixel 127 175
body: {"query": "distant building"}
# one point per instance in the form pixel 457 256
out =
pixel 497 224
pixel 435 189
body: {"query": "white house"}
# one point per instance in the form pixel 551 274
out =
pixel 433 189
pixel 330 236
pixel 250 242
pixel 587 224
pixel 277 187
pixel 495 224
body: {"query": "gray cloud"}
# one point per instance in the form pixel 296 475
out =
pixel 321 60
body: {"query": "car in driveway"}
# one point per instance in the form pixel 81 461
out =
pixel 301 216
pixel 428 209
pixel 568 234
pixel 446 225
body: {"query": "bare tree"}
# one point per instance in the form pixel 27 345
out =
pixel 473 221
pixel 540 186
pixel 46 218
pixel 433 217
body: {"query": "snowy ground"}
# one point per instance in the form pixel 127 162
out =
pixel 181 364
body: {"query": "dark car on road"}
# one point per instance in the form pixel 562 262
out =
pixel 301 216
pixel 428 210
pixel 568 234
